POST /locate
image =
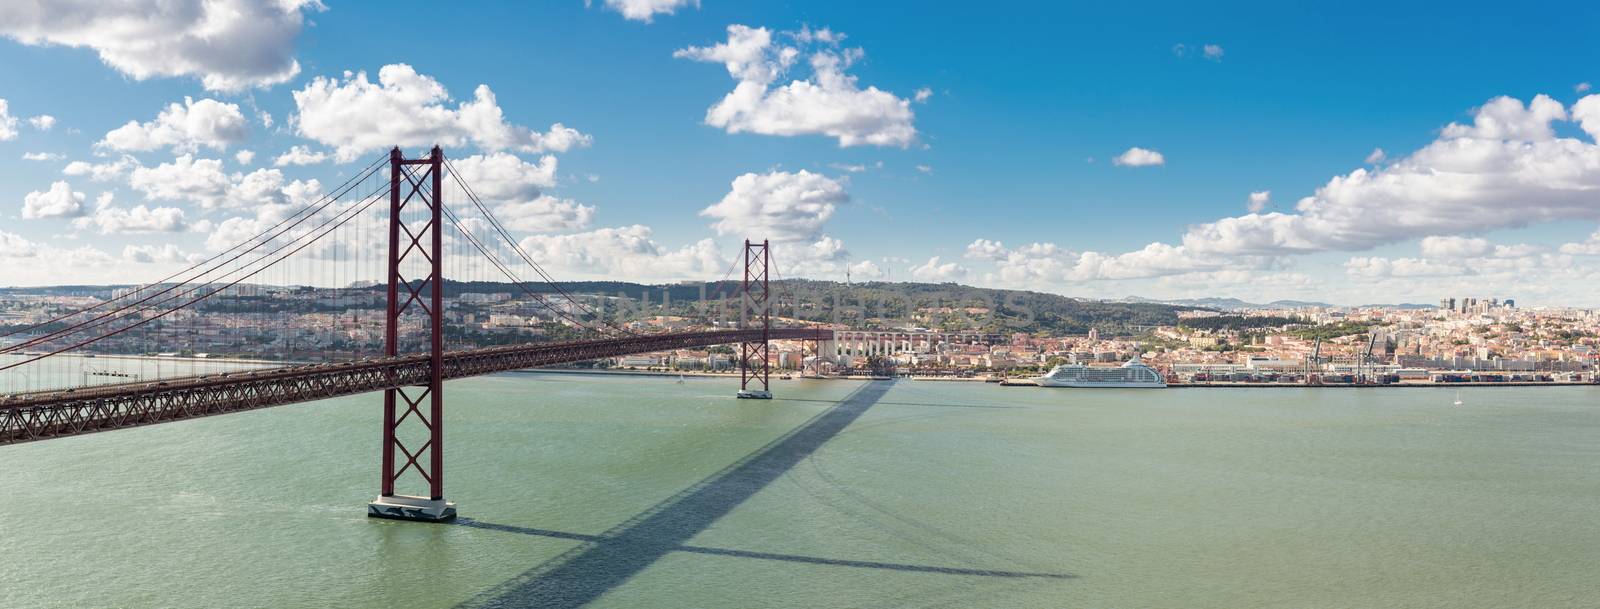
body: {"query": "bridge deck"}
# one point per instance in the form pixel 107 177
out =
pixel 73 412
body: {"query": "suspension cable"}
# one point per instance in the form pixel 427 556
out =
pixel 140 289
pixel 260 240
pixel 358 209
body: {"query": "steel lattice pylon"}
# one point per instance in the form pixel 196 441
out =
pixel 419 237
pixel 755 308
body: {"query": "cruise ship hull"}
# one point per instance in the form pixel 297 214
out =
pixel 1093 385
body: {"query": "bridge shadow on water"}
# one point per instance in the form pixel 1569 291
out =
pixel 605 561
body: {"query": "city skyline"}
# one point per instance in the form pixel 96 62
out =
pixel 1076 151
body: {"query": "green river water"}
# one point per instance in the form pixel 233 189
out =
pixel 592 491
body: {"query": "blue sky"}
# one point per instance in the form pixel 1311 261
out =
pixel 1022 112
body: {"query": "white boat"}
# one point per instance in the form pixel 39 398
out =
pixel 1458 397
pixel 1131 374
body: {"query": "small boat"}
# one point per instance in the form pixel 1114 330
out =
pixel 784 377
pixel 680 379
pixel 1458 397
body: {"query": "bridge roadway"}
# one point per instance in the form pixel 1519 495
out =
pixel 57 414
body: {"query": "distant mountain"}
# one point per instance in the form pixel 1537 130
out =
pixel 875 304
pixel 1229 304
pixel 1234 304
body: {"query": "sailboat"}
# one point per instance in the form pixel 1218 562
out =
pixel 1458 397
pixel 680 379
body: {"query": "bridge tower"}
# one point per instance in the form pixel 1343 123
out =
pixel 415 413
pixel 755 308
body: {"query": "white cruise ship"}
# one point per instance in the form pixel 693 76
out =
pixel 1132 373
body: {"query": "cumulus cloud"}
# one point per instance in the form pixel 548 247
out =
pixel 149 254
pixel 1376 156
pixel 42 122
pixel 300 155
pixel 923 95
pixel 42 156
pixel 503 176
pixel 1258 201
pixel 1402 267
pixel 8 123
pixel 244 157
pixel 777 205
pixel 203 182
pixel 13 245
pixel 627 251
pixel 101 172
pixel 1049 263
pixel 1212 52
pixel 1587 247
pixel 230 45
pixel 984 249
pixel 1139 157
pixel 58 202
pixel 646 10
pixel 937 272
pixel 828 102
pixel 1454 247
pixel 867 269
pixel 1506 169
pixel 137 219
pixel 545 214
pixel 183 128
pixel 355 115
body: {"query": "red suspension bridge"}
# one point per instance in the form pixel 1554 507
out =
pixel 313 249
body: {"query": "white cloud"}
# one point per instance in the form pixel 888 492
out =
pixel 137 219
pixel 300 155
pixel 1454 247
pixel 183 127
pixel 1258 201
pixel 230 44
pixel 984 249
pixel 503 176
pixel 1587 247
pixel 627 251
pixel 935 272
pixel 42 122
pixel 42 156
pixel 1582 87
pixel 14 246
pixel 925 168
pixel 355 115
pixel 646 10
pixel 867 270
pixel 8 123
pixel 1507 169
pixel 1505 118
pixel 202 182
pixel 1402 267
pixel 1376 156
pixel 545 214
pixel 777 205
pixel 58 202
pixel 829 102
pixel 923 95
pixel 1139 157
pixel 1212 52
pixel 101 172
pixel 164 254
pixel 244 157
pixel 1039 264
